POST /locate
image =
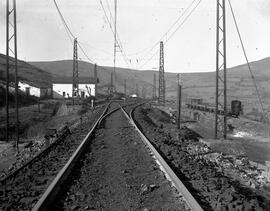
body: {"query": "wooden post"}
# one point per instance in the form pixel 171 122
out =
pixel 39 105
pixel 179 93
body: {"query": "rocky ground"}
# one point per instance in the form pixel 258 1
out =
pixel 205 179
pixel 117 173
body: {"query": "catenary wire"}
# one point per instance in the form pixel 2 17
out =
pixel 247 61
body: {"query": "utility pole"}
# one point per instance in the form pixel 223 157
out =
pixel 143 92
pixel 137 90
pixel 9 39
pixel 221 71
pixel 125 88
pixel 154 88
pixel 96 79
pixel 39 104
pixel 111 86
pixel 179 100
pixel 161 89
pixel 75 86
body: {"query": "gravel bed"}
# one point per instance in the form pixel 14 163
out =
pixel 210 187
pixel 117 173
pixel 24 190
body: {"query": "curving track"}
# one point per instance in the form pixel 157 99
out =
pixel 114 167
pixel 22 189
pixel 113 171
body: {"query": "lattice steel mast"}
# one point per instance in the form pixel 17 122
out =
pixel 115 42
pixel 11 37
pixel 75 84
pixel 221 72
pixel 161 89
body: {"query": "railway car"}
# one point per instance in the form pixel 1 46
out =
pixel 235 111
pixel 236 108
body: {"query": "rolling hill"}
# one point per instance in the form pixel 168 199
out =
pixel 26 72
pixel 240 84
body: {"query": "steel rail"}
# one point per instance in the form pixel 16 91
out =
pixel 54 187
pixel 32 160
pixel 36 157
pixel 176 182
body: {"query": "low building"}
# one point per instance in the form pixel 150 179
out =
pixel 34 90
pixel 62 87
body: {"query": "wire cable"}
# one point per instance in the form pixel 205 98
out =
pixel 112 30
pixel 174 32
pixel 117 35
pixel 69 32
pixel 172 26
pixel 63 19
pixel 247 61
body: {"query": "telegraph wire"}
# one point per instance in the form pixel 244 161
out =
pixel 70 34
pixel 117 35
pixel 98 49
pixel 110 25
pixel 247 61
pixel 174 32
pixel 63 19
pixel 171 27
pixel 80 46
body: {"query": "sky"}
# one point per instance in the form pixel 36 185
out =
pixel 140 25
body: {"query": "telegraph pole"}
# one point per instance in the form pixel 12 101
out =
pixel 161 89
pixel 75 87
pixel 9 39
pixel 143 92
pixel 179 100
pixel 154 88
pixel 111 86
pixel 221 71
pixel 125 88
pixel 96 79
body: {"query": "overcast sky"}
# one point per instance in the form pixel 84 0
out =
pixel 141 23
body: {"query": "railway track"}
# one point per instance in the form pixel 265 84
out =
pixel 112 170
pixel 21 189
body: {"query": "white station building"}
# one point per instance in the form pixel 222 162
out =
pixel 62 87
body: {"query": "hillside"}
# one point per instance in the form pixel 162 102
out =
pixel 26 72
pixel 240 85
pixel 133 77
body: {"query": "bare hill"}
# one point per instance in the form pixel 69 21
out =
pixel 26 72
pixel 240 85
pixel 133 77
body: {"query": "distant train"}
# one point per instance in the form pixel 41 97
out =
pixel 197 104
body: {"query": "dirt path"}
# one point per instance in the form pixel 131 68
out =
pixel 118 173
